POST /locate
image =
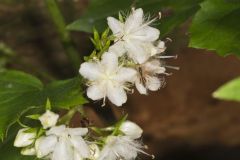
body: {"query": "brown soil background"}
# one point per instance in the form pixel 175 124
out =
pixel 181 121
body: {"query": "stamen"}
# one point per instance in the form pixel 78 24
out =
pixel 104 101
pixel 172 67
pixel 166 57
pixel 167 74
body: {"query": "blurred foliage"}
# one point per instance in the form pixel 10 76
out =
pixel 216 27
pixel 229 91
pixel 6 54
pixel 174 13
pixel 20 91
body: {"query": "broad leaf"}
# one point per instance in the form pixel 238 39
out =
pixel 229 91
pixel 216 26
pixel 174 12
pixel 20 91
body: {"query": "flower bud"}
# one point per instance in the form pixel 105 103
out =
pixel 24 138
pixel 48 119
pixel 28 151
pixel 131 129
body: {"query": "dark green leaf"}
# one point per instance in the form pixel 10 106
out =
pixel 229 91
pixel 20 91
pixel 174 12
pixel 217 27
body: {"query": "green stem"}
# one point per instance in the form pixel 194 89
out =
pixel 66 119
pixel 59 22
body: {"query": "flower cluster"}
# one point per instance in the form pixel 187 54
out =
pixel 131 56
pixel 134 58
pixel 59 142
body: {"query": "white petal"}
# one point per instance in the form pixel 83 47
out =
pixel 28 151
pixel 146 34
pixel 127 147
pixel 24 138
pixel 89 70
pixel 58 130
pixel 108 151
pixel 134 20
pixel 126 75
pixel 110 62
pixel 96 92
pixel 63 150
pixel 115 25
pixel 76 155
pixel 153 83
pixel 118 48
pixel 45 145
pixel 136 51
pixel 116 95
pixel 161 44
pixel 131 129
pixel 152 34
pixel 77 131
pixel 153 66
pixel 151 49
pixel 48 119
pixel 140 87
pixel 80 146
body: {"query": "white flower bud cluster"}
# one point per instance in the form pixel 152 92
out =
pixel 133 58
pixel 64 143
pixel 58 142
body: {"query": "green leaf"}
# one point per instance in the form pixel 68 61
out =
pixel 175 12
pixel 64 94
pixel 216 27
pixel 229 91
pixel 20 91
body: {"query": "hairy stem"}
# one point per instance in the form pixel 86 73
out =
pixel 59 22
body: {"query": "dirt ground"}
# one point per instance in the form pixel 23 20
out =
pixel 181 121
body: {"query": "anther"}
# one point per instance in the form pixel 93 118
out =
pixel 153 157
pixel 159 15
pixel 168 39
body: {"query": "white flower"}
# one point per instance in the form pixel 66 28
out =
pixel 131 129
pixel 48 119
pixel 120 147
pixel 24 137
pixel 107 79
pixel 147 77
pixel 135 36
pixel 62 143
pixel 28 151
